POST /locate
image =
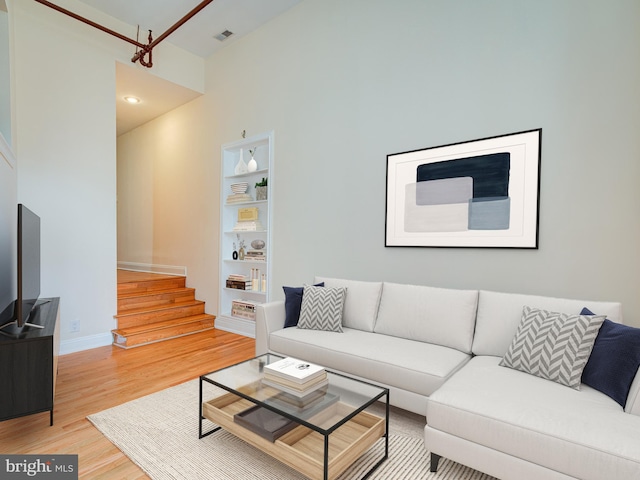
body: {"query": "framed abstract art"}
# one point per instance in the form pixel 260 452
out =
pixel 479 193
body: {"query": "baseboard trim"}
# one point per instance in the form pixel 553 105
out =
pixel 85 343
pixel 153 268
pixel 236 325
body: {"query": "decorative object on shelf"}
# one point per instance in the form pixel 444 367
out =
pixel 235 252
pixel 252 166
pixel 241 167
pixel 255 279
pixel 239 187
pixel 239 194
pixel 261 189
pixel 257 244
pixel 240 247
pixel 248 220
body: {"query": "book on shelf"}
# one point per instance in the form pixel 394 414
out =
pixel 243 309
pixel 255 255
pixel 294 370
pixel 248 226
pixel 301 394
pixel 239 284
pixel 239 198
pixel 238 277
pixel 264 422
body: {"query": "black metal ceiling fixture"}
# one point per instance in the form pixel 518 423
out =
pixel 142 50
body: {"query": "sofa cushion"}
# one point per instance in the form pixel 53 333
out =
pixel 614 360
pixel 292 304
pixel 413 366
pixel 579 433
pixel 434 315
pixel 552 345
pixel 499 315
pixel 361 302
pixel 322 308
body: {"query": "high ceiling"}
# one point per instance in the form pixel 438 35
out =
pixel 196 36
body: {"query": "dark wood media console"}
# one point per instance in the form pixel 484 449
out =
pixel 29 363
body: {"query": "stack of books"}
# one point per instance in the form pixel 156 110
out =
pixel 240 282
pixel 295 377
pixel 243 309
pixel 255 255
pixel 239 198
pixel 248 226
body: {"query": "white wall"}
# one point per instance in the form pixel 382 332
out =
pixel 344 83
pixel 65 142
pixel 5 79
pixel 8 222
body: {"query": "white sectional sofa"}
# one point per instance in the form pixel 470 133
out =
pixel 439 352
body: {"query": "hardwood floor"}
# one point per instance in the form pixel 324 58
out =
pixel 101 378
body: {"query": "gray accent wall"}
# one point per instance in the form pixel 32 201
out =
pixel 344 83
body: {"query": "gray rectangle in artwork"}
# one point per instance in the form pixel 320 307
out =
pixel 445 191
pixel 490 213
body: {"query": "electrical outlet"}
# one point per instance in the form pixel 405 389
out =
pixel 75 326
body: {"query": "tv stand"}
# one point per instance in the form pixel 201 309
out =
pixel 29 363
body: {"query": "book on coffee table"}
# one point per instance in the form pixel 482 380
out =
pixel 294 370
pixel 264 422
pixel 300 393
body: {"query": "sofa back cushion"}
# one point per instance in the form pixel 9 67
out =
pixel 439 316
pixel 499 315
pixel 360 304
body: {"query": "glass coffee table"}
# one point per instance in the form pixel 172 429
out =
pixel 320 435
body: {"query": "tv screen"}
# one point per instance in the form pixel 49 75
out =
pixel 28 263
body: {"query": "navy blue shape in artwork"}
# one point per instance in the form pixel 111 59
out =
pixel 490 173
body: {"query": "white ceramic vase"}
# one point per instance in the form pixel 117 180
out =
pixel 252 165
pixel 241 167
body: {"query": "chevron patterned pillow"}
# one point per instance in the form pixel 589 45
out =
pixel 554 346
pixel 322 308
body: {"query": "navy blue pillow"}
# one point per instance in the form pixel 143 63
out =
pixel 293 303
pixel 614 360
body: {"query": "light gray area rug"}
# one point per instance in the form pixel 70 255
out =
pixel 159 433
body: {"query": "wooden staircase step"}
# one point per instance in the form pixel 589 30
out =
pixel 155 298
pixel 147 315
pixel 163 330
pixel 162 283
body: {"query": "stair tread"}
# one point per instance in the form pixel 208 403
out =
pixel 129 331
pixel 158 308
pixel 151 293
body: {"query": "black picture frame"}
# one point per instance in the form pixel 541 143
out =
pixel 480 193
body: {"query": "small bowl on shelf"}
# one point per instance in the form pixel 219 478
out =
pixel 239 187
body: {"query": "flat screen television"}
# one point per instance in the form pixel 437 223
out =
pixel 28 270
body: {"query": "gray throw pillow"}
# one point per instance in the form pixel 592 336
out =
pixel 554 346
pixel 322 308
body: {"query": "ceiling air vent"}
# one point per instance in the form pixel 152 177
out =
pixel 223 36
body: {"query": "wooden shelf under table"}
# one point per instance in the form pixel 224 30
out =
pixel 303 448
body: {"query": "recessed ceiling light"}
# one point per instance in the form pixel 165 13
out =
pixel 131 99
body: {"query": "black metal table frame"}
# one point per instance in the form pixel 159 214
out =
pixel 323 432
